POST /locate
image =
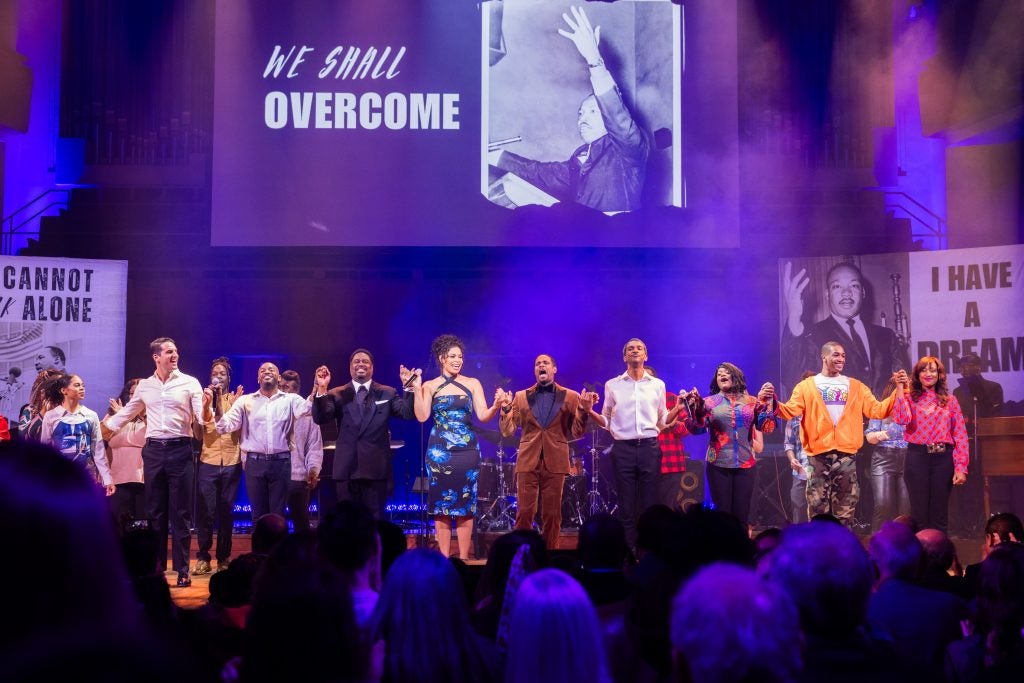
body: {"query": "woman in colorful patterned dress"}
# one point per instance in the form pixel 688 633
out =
pixel 936 443
pixel 453 454
pixel 728 415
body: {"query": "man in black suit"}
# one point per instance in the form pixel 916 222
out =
pixel 361 409
pixel 979 397
pixel 872 353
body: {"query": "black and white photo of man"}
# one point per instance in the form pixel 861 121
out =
pixel 609 163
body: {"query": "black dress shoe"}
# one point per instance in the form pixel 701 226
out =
pixel 184 581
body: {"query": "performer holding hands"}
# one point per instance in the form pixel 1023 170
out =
pixel 362 408
pixel 832 429
pixel 936 438
pixel 730 417
pixel 453 453
pixel 550 416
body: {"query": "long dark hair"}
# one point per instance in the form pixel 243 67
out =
pixel 940 386
pixel 423 597
pixel 739 382
pixel 38 398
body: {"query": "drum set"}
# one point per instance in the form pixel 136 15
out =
pixel 586 491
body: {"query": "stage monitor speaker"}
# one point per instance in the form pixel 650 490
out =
pixel 772 479
pixel 683 490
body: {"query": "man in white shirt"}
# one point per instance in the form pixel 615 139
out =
pixel 634 412
pixel 174 408
pixel 267 420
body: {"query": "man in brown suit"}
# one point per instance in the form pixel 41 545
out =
pixel 550 416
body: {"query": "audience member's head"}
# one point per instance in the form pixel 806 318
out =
pixel 1003 527
pixel 706 536
pixel 392 544
pixel 553 633
pixel 233 586
pixel 499 562
pixel 298 596
pixel 896 552
pixel 654 529
pixel 765 542
pixel 939 551
pixel 1000 604
pixel 52 513
pixel 348 537
pixel 826 572
pixel 826 517
pixel 907 520
pixel 423 618
pixel 267 532
pixel 728 626
pixel 602 543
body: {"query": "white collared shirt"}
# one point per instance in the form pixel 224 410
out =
pixel 266 422
pixel 171 406
pixel 632 409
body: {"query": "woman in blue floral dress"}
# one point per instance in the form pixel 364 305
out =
pixel 453 454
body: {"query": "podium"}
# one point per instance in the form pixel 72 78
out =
pixel 1001 445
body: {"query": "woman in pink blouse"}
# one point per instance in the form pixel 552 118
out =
pixel 124 448
pixel 936 443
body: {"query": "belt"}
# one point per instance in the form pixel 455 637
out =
pixel 268 456
pixel 638 442
pixel 939 447
pixel 168 442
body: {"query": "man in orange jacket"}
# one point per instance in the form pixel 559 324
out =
pixel 832 430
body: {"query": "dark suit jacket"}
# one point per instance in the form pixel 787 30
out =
pixel 803 353
pixel 553 440
pixel 363 449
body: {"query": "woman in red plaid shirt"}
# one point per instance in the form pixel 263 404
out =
pixel 936 443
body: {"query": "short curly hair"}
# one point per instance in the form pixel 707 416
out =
pixel 444 343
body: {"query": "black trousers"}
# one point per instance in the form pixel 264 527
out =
pixel 373 493
pixel 298 505
pixel 929 479
pixel 218 488
pixel 167 469
pixel 267 484
pixel 635 466
pixel 129 502
pixel 732 489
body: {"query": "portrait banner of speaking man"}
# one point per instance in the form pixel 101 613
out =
pixel 861 302
pixel 581 104
pixel 61 314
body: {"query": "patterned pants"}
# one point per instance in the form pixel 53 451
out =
pixel 832 486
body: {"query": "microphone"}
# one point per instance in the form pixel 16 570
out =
pixel 408 382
